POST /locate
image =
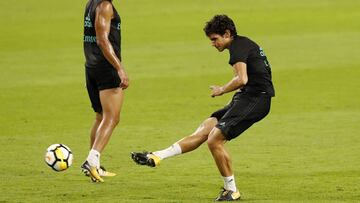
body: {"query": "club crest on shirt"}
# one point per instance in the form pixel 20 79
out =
pixel 87 22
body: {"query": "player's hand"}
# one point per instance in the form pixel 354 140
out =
pixel 124 79
pixel 216 90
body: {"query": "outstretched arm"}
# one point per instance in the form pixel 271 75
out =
pixel 104 14
pixel 239 80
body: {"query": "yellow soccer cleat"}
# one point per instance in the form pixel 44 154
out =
pixel 92 172
pixel 95 176
pixel 104 173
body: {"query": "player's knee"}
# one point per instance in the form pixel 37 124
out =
pixel 212 143
pixel 215 140
pixel 112 120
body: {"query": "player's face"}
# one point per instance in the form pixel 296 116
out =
pixel 220 42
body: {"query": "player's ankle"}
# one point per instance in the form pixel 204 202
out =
pixel 173 150
pixel 229 183
pixel 94 158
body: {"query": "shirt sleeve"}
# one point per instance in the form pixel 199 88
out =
pixel 238 53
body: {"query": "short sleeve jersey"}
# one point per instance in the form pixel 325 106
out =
pixel 93 54
pixel 242 49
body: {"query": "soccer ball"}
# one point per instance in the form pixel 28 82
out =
pixel 58 157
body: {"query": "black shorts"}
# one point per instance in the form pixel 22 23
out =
pixel 98 79
pixel 242 112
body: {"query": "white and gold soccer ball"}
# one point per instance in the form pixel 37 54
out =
pixel 59 157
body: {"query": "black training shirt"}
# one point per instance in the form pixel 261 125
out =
pixel 242 49
pixel 93 54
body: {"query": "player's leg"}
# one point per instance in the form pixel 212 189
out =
pixel 98 118
pixel 111 102
pixel 102 171
pixel 245 111
pixel 193 141
pixel 93 92
pixel 95 126
pixel 216 142
pixel 186 144
pixel 99 84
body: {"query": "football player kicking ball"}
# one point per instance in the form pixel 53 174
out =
pixel 250 104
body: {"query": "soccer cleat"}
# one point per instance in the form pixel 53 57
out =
pixel 228 195
pixel 92 172
pixel 102 172
pixel 145 158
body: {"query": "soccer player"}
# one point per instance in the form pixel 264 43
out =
pixel 250 103
pixel 106 79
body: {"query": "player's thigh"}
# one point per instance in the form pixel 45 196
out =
pixel 112 100
pixel 206 127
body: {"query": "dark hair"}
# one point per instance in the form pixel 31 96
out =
pixel 219 24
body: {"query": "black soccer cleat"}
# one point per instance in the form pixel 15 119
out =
pixel 228 195
pixel 145 158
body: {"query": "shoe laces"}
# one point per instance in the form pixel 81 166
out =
pixel 101 171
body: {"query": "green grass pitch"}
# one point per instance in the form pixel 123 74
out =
pixel 306 150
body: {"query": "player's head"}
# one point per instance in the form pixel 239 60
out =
pixel 220 30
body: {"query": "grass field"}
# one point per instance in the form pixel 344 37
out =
pixel 306 150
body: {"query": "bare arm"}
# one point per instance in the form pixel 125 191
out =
pixel 104 14
pixel 239 80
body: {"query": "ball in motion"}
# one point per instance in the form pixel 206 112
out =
pixel 59 157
